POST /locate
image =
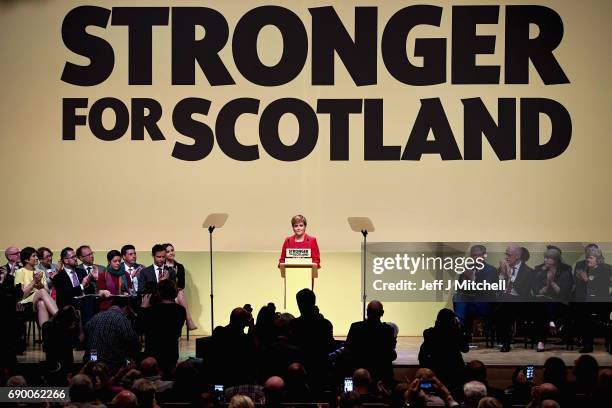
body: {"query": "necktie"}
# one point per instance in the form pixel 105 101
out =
pixel 88 270
pixel 159 272
pixel 75 280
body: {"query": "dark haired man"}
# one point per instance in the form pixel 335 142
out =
pixel 151 275
pixel 129 264
pixel 71 281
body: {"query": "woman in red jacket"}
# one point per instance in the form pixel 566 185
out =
pixel 300 239
pixel 115 280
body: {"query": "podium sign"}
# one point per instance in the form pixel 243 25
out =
pixel 297 258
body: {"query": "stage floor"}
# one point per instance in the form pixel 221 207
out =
pixel 408 350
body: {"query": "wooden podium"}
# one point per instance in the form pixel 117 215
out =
pixel 314 273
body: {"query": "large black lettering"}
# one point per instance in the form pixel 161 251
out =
pixel 477 121
pixel 99 52
pixel 466 45
pixel 70 120
pixel 307 123
pixel 186 125
pixel 295 45
pixel 140 121
pixel 225 129
pixel 140 22
pixel 186 49
pixel 373 144
pixel 329 36
pixel 433 50
pixel 122 119
pixel 520 48
pixel 561 124
pixel 339 111
pixel 431 116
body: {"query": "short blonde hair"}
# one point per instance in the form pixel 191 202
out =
pixel 297 219
pixel 241 401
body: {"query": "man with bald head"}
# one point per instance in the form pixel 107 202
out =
pixel 370 344
pixel 233 351
pixel 519 285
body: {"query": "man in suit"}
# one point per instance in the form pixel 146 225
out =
pixel 129 264
pixel 519 284
pixel 86 256
pixel 370 344
pixel 71 281
pixel 149 276
pixel 12 257
pixel 469 304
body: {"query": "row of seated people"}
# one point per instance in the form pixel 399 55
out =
pixel 140 386
pixel 38 285
pixel 548 294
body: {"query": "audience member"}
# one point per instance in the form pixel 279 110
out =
pixel 179 272
pixel 296 384
pixel 370 344
pixel 60 335
pixel 241 401
pixel 127 380
pixel 33 285
pixel 125 399
pixel 149 277
pixel 470 304
pixel 111 336
pixel 489 402
pixel 476 370
pixel 555 373
pixel 71 281
pixel 442 347
pixel 539 393
pixel 82 392
pixel 162 324
pixel 274 391
pixel 113 280
pixel 473 392
pixel 45 265
pixel 150 372
pixel 552 288
pixel 519 284
pixel 85 254
pixel 233 351
pixel 129 264
pixel 519 393
pixel 313 335
pixel 145 393
pixel 16 381
pixel 101 378
pixel 12 261
pixel 364 386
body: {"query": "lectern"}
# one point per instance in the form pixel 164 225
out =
pixel 297 258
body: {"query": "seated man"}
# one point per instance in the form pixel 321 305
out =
pixel 469 304
pixel 370 344
pixel 71 281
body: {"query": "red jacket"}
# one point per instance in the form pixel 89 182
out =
pixel 308 242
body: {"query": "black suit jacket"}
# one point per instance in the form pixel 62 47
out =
pixel 523 284
pixel 372 346
pixel 147 280
pixel 64 290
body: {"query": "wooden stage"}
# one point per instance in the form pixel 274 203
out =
pixel 408 350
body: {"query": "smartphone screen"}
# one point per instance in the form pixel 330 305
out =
pixel 93 356
pixel 529 371
pixel 218 387
pixel 426 385
pixel 348 384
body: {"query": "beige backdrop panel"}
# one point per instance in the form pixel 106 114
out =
pixel 106 194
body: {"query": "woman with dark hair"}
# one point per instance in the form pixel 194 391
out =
pixel 115 280
pixel 179 269
pixel 552 288
pixel 33 284
pixel 442 347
